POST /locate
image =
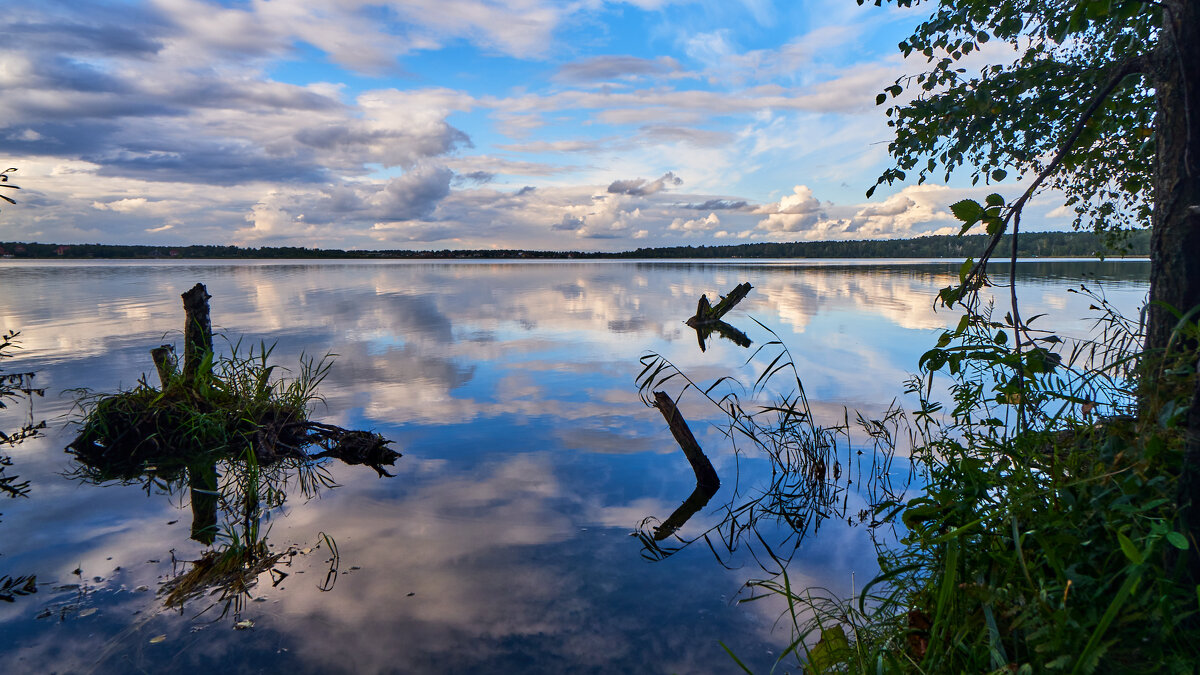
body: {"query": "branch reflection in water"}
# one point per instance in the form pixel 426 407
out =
pixel 814 468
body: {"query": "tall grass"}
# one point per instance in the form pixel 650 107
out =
pixel 236 402
pixel 1041 534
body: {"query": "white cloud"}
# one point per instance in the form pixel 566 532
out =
pixel 121 205
pixel 696 225
pixel 640 187
pixel 797 212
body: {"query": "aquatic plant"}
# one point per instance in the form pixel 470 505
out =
pixel 216 407
pixel 811 462
pixel 235 432
pixel 1038 533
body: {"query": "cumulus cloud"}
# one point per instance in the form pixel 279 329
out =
pixel 121 205
pixel 414 195
pixel 568 223
pixel 796 212
pixel 698 225
pixel 917 209
pixel 914 211
pixel 639 187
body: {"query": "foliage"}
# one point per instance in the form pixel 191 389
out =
pixel 5 184
pixel 974 109
pixel 11 587
pixel 1047 537
pixel 1043 536
pixel 1033 244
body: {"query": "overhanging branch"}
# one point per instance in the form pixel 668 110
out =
pixel 1132 66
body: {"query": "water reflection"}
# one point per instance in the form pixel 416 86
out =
pixel 503 544
pixel 237 437
pixel 231 499
pixel 813 465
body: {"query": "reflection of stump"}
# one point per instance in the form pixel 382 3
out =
pixel 197 331
pixel 202 484
pixel 696 501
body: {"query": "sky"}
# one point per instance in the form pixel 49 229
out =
pixel 584 125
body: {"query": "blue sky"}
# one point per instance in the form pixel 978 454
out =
pixel 432 124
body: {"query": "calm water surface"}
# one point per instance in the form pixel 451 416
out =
pixel 503 544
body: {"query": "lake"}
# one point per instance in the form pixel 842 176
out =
pixel 508 538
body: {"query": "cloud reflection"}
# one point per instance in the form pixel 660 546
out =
pixel 529 457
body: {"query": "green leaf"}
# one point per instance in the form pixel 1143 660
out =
pixel 999 174
pixel 995 200
pixel 968 210
pixel 831 651
pixel 1177 540
pixel 880 99
pixel 963 322
pixel 1129 549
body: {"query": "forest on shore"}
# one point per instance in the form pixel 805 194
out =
pixel 1030 245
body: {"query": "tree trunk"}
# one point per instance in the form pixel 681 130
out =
pixel 1175 238
pixel 197 331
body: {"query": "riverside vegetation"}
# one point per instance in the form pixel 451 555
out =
pixel 1040 532
pixel 1056 528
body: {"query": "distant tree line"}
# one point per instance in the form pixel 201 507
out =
pixel 1030 245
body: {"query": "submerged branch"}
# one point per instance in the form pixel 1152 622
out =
pixel 706 476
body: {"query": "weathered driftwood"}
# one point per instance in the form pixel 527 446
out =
pixel 197 331
pixel 705 474
pixel 706 314
pixel 165 363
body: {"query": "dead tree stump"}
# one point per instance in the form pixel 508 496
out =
pixel 707 315
pixel 197 331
